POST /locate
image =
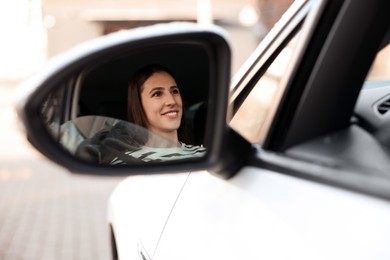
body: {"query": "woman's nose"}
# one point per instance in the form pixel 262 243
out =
pixel 170 100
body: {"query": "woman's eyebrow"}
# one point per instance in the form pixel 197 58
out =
pixel 162 88
pixel 155 88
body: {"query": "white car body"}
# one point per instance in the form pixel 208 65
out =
pixel 258 214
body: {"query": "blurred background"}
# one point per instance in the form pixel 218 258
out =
pixel 35 30
pixel 46 212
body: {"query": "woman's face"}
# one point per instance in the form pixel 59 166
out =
pixel 162 103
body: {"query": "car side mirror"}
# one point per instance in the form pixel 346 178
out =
pixel 75 109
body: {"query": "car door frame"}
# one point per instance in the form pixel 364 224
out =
pixel 298 119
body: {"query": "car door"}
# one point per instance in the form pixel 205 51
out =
pixel 287 203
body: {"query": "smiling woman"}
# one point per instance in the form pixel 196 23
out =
pixel 155 103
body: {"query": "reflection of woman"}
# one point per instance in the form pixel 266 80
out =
pixel 155 103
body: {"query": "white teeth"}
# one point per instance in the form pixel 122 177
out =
pixel 171 114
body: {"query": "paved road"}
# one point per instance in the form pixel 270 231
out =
pixel 46 212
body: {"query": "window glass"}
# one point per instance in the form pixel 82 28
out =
pixel 250 118
pixel 380 70
pixel 51 111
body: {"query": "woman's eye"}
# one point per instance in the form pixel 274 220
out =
pixel 156 94
pixel 175 91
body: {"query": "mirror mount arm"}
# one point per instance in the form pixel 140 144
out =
pixel 234 154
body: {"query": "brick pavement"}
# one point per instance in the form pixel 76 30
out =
pixel 46 212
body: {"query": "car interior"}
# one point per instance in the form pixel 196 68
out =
pixel 96 98
pixel 373 104
pixel 102 90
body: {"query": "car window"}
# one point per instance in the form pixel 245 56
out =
pixel 51 111
pixel 380 70
pixel 251 116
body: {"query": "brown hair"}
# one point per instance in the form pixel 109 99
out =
pixel 135 111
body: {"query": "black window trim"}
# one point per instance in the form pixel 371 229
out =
pixel 262 57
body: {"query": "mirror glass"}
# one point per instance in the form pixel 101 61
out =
pixel 144 107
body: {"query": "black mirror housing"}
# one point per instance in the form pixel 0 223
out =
pixel 141 45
